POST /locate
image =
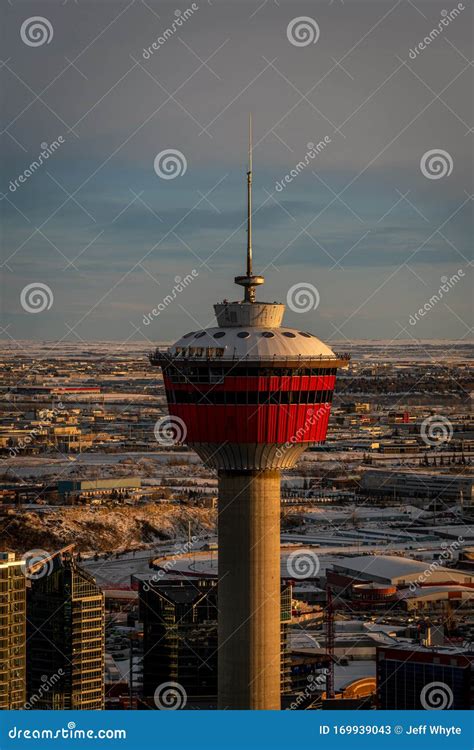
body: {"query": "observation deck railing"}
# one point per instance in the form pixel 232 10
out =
pixel 163 355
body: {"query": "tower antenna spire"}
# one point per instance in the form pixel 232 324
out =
pixel 249 203
pixel 249 281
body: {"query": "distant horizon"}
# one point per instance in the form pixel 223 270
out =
pixel 410 342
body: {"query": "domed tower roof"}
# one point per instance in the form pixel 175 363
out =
pixel 255 342
pixel 250 330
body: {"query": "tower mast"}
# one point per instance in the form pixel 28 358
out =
pixel 249 213
pixel 249 281
pixel 250 432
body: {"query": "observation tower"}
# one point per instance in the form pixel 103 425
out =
pixel 249 395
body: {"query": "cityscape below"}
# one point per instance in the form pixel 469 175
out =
pixel 110 551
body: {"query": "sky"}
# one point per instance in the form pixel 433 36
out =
pixel 105 229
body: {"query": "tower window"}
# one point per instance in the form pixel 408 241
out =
pixel 268 334
pixel 289 334
pixel 219 334
pixel 306 335
pixel 243 334
pixel 200 334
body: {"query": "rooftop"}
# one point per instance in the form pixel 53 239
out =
pixel 391 566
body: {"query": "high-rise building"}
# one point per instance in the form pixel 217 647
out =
pixel 180 637
pixel 12 632
pixel 65 648
pixel 424 678
pixel 249 396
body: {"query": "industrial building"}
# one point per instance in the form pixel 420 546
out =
pixel 65 630
pixel 393 571
pixel 423 678
pixel 73 490
pixel 418 485
pixel 431 599
pixel 12 632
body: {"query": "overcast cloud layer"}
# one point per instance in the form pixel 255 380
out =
pixel 374 232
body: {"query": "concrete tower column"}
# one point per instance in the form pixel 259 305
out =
pixel 249 590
